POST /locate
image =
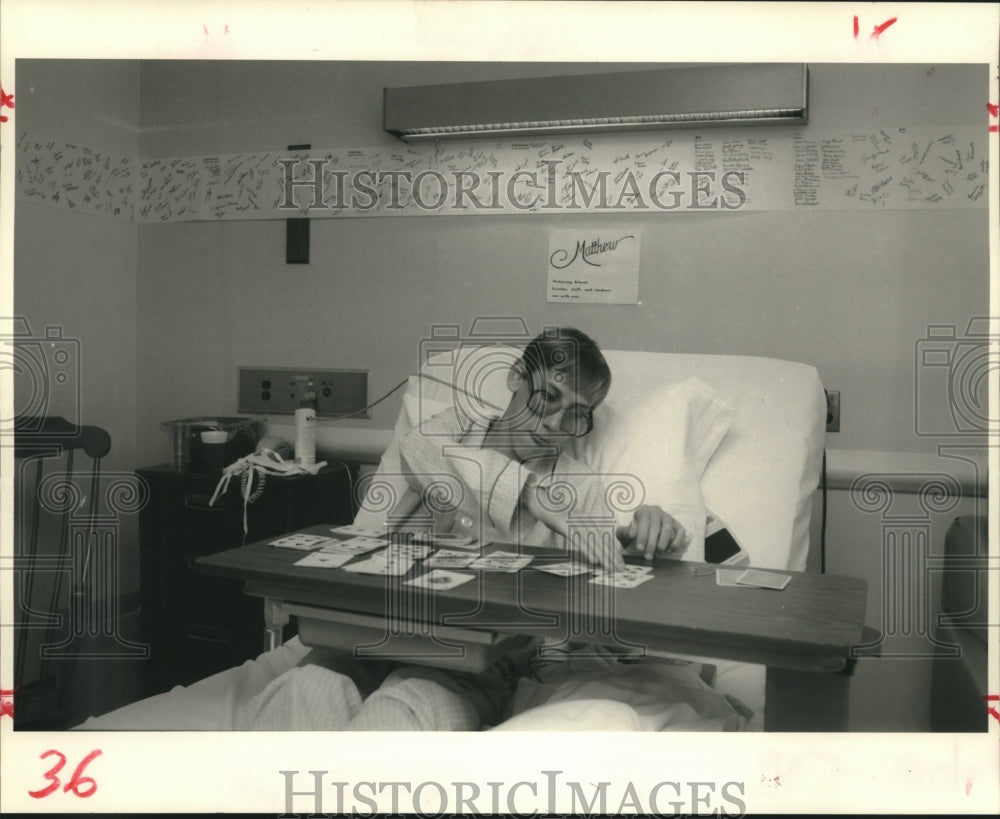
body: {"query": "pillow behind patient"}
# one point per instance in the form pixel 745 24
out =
pixel 665 444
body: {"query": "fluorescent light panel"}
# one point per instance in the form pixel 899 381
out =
pixel 635 100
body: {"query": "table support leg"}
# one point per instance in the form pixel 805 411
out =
pixel 275 620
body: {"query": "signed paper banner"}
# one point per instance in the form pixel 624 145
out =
pixel 593 266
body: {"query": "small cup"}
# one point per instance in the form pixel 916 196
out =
pixel 213 444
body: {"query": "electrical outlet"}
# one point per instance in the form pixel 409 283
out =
pixel 282 390
pixel 832 410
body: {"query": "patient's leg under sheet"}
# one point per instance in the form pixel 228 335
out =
pixel 211 704
pixel 664 695
pixel 316 698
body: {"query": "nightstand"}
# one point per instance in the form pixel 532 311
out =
pixel 195 624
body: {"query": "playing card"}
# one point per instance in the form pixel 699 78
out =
pixel 628 571
pixel 305 542
pixel 439 579
pixel 501 562
pixel 415 550
pixel 563 569
pixel 354 546
pixel 624 579
pixel 358 531
pixel 324 560
pixel 380 564
pixel 448 539
pixel 450 559
pixel 763 580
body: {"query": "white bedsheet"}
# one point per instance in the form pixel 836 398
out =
pixel 275 693
pixel 211 704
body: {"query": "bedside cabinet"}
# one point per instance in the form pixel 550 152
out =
pixel 197 625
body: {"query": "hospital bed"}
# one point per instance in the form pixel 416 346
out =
pixel 732 439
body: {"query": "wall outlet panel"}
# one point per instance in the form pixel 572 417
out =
pixel 281 390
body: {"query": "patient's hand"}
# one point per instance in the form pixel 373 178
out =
pixel 654 532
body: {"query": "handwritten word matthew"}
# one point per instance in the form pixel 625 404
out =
pixel 584 250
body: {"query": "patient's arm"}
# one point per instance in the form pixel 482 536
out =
pixel 499 485
pixel 594 550
pixel 493 480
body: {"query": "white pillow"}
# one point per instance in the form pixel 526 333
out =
pixel 665 443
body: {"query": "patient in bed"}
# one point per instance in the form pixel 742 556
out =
pixel 513 469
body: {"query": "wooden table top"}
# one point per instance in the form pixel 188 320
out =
pixel 810 624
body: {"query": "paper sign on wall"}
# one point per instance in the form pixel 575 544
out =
pixel 593 266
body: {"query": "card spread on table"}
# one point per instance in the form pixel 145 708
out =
pixel 354 546
pixel 381 564
pixel 501 562
pixel 358 531
pixel 564 569
pixel 629 571
pixel 440 579
pixel 415 550
pixel 325 560
pixel 450 559
pixel 446 539
pixel 301 540
pixel 763 580
pixel 627 578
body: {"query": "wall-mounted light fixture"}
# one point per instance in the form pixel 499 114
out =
pixel 756 93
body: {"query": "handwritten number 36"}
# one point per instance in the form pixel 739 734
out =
pixel 82 786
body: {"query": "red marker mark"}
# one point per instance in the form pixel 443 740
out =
pixel 876 31
pixel 968 786
pixel 991 710
pixel 7 702
pixel 6 101
pixel 994 112
pixel 77 782
pixel 880 28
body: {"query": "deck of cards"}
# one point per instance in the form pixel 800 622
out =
pixel 727 577
pixel 763 580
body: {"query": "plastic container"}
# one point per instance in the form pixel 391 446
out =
pixel 305 436
pixel 242 435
